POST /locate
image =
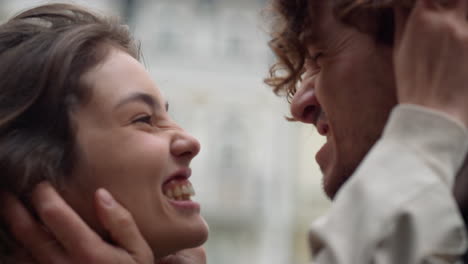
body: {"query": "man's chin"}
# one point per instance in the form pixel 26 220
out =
pixel 333 181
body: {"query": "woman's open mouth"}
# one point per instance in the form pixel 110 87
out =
pixel 179 190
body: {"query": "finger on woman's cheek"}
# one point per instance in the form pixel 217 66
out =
pixel 65 224
pixel 122 227
pixel 16 216
pixel 47 203
pixel 28 232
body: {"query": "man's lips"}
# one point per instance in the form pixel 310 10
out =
pixel 322 127
pixel 319 119
pixel 323 155
pixel 321 122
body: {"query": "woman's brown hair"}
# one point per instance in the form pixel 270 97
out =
pixel 44 52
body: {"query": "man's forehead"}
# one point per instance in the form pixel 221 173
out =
pixel 318 14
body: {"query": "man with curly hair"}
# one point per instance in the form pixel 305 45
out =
pixel 385 83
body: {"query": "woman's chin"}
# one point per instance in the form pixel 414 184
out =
pixel 197 234
pixel 192 237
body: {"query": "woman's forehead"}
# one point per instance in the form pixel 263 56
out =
pixel 120 75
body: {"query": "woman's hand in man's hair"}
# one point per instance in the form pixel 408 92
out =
pixel 63 237
pixel 431 56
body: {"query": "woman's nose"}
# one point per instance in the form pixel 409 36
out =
pixel 304 105
pixel 185 145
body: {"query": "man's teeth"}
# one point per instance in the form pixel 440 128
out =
pixel 180 191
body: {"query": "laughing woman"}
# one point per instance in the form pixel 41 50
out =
pixel 77 109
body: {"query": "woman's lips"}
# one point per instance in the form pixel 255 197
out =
pixel 179 192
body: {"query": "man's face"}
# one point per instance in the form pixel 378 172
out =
pixel 347 92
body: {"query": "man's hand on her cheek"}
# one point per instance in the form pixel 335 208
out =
pixel 69 239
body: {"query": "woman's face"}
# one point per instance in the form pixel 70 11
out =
pixel 128 144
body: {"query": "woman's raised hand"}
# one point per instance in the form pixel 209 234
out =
pixel 431 56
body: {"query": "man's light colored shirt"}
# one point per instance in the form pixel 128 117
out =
pixel 398 206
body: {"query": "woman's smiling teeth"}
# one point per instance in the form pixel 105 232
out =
pixel 179 190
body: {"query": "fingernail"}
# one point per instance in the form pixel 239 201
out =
pixel 105 197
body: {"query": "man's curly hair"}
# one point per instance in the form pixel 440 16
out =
pixel 292 17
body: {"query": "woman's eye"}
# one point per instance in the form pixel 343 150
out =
pixel 143 119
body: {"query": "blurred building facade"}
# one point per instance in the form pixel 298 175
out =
pixel 255 176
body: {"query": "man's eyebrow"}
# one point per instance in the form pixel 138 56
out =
pixel 307 33
pixel 141 97
pixel 311 36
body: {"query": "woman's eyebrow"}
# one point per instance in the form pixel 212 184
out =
pixel 140 97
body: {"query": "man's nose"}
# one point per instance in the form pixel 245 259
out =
pixel 305 106
pixel 184 145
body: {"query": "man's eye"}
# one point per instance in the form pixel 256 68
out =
pixel 143 119
pixel 313 61
pixel 316 57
